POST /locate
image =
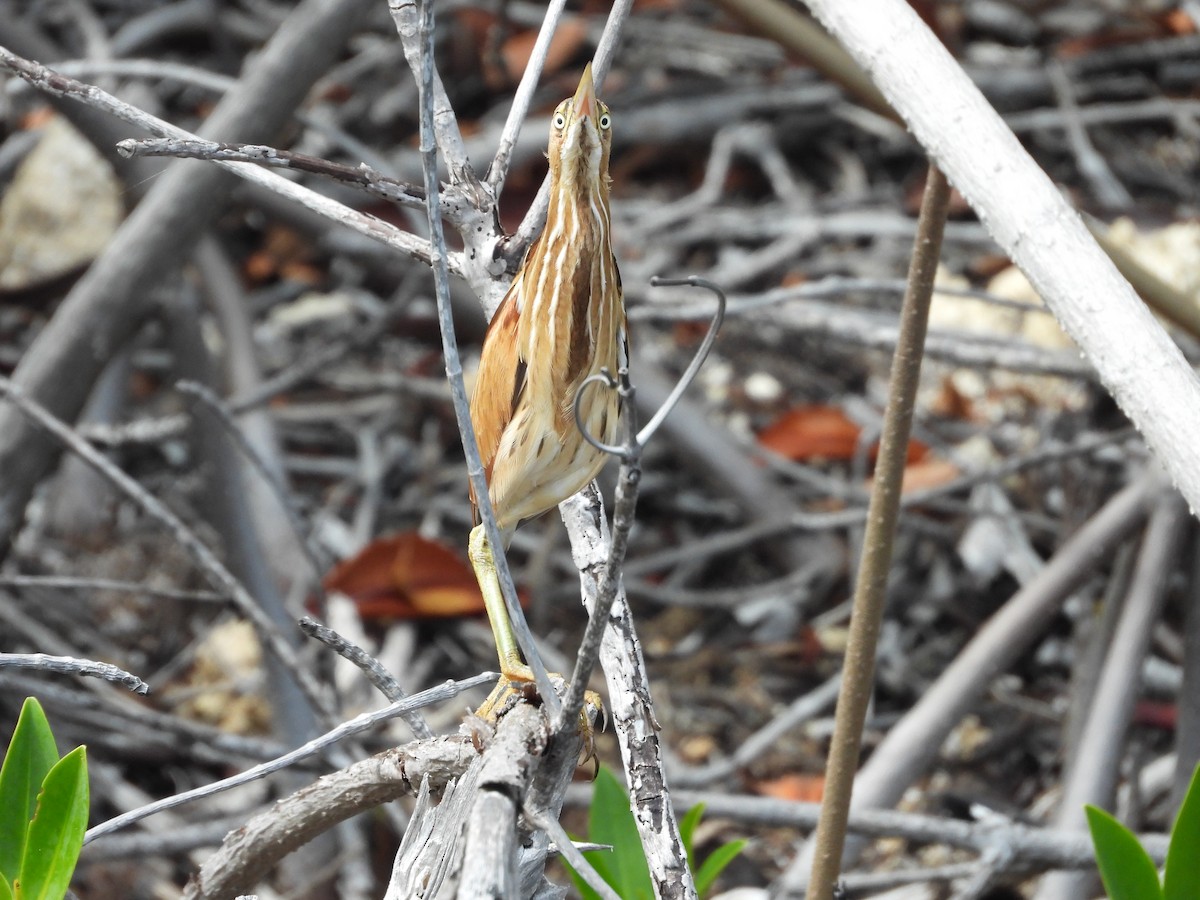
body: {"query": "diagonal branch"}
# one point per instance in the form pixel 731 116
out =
pixel 514 247
pixel 1027 215
pixel 426 79
pixel 522 99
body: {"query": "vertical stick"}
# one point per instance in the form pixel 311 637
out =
pixel 870 593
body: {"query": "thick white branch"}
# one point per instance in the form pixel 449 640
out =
pixel 1136 360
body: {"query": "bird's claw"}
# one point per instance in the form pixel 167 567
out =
pixel 510 691
pixel 593 709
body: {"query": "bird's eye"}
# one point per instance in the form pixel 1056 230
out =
pixel 605 121
pixel 559 121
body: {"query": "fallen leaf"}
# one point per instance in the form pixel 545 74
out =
pixel 1156 714
pixel 794 787
pixel 568 38
pixel 811 432
pixel 406 576
pixel 1178 21
pixel 806 433
pixel 928 473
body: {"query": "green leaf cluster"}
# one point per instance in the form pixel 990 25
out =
pixel 624 868
pixel 1126 868
pixel 43 811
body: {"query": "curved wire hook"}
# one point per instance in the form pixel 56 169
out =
pixel 604 377
pixel 697 361
pixel 621 382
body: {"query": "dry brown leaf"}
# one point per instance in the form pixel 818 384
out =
pixel 284 254
pixel 928 473
pixel 568 38
pixel 406 576
pixel 1157 714
pixel 794 787
pixel 811 432
pixel 806 433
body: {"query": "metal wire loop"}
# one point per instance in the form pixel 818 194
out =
pixel 697 361
pixel 622 383
pixel 605 377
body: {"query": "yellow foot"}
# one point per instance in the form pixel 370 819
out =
pixel 507 692
pixel 593 710
pixel 511 690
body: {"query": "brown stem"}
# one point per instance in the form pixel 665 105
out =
pixel 884 509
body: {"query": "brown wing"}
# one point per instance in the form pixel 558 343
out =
pixel 499 382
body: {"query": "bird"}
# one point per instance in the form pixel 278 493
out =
pixel 561 322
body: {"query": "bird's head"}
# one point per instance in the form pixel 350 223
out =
pixel 580 138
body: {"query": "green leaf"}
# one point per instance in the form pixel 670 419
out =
pixel 30 757
pixel 1125 867
pixel 601 861
pixel 585 890
pixel 611 822
pixel 1182 879
pixel 687 832
pixel 715 864
pixel 5 890
pixel 56 832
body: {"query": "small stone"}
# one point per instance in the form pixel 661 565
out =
pixel 763 388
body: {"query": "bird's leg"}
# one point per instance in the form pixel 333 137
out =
pixel 512 666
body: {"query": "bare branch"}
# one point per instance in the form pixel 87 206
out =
pixel 1138 363
pixel 372 668
pixel 204 558
pixel 357 725
pixel 60 86
pixel 523 97
pixel 432 99
pixel 362 176
pixel 70 665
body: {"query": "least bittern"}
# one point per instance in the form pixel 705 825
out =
pixel 562 321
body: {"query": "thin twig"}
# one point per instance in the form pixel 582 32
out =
pixel 498 171
pixel 60 86
pixel 372 668
pixel 871 591
pixel 1109 191
pixel 283 497
pixel 205 559
pixel 361 176
pixel 800 710
pixel 71 583
pixel 454 374
pixel 357 725
pixel 701 354
pixel 70 665
pixel 570 852
pixel 1034 847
